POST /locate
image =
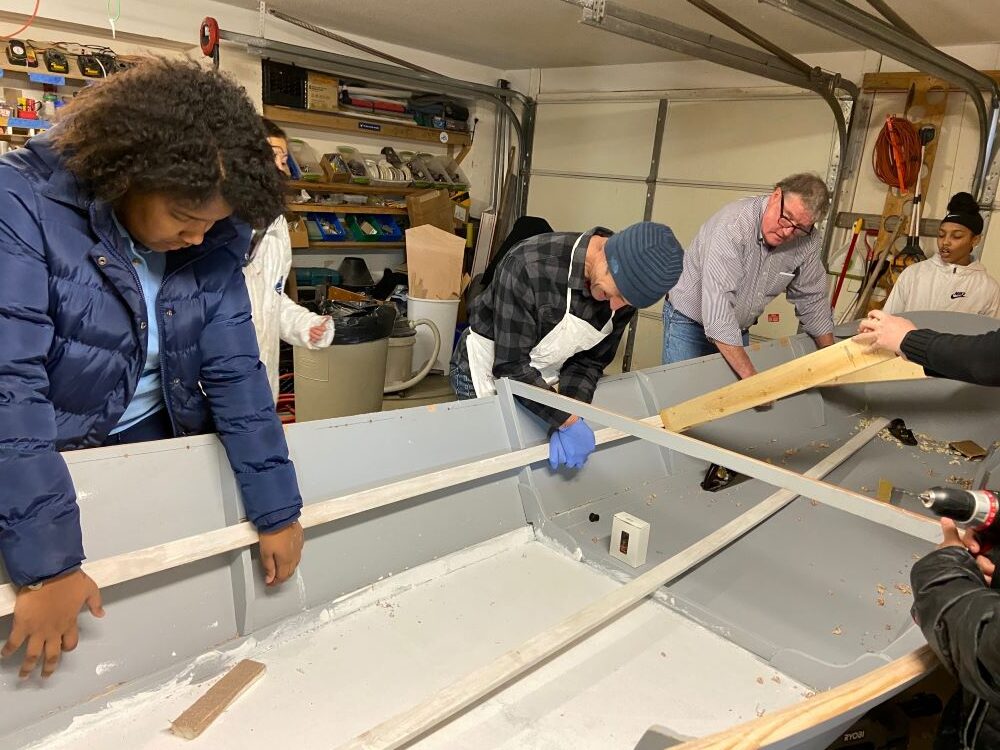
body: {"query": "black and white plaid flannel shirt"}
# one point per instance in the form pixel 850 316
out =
pixel 525 301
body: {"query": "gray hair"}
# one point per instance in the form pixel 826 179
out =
pixel 811 189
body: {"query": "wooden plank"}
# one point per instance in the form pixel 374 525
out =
pixel 208 707
pixel 902 81
pixel 364 126
pixel 351 188
pixel 895 369
pixel 129 566
pixel 792 377
pixel 896 208
pixel 346 208
pixel 861 692
pixel 407 726
pixel 919 526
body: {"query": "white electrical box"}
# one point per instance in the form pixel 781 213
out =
pixel 629 539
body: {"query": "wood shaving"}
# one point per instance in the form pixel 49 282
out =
pixel 903 588
pixel 776 680
pixel 760 680
pixel 838 630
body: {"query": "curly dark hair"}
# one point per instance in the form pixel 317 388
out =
pixel 172 126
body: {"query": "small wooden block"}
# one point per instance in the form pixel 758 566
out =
pixel 207 708
pixel 969 448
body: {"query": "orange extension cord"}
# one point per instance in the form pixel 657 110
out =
pixel 896 156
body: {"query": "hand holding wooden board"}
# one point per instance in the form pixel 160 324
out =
pixel 820 367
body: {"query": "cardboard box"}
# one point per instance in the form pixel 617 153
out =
pixel 434 261
pixel 629 539
pixel 432 207
pixel 322 92
pixel 298 233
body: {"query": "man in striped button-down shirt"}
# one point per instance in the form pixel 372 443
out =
pixel 743 257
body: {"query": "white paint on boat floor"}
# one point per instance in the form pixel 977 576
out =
pixel 327 684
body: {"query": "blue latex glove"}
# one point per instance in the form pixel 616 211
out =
pixel 571 445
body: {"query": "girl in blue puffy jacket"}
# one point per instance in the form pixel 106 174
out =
pixel 124 317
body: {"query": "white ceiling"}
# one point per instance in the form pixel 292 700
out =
pixel 516 34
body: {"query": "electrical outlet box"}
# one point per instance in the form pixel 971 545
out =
pixel 629 539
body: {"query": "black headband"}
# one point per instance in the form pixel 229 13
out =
pixel 973 222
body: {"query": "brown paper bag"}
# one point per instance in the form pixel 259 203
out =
pixel 434 263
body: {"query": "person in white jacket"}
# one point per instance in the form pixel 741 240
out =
pixel 275 316
pixel 951 279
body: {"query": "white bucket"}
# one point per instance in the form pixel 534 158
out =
pixel 443 313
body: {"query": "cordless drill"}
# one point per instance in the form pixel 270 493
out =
pixel 978 510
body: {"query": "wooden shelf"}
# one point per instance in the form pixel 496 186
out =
pixel 347 208
pixel 351 188
pixel 371 127
pixel 354 246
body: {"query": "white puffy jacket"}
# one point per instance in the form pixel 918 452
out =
pixel 275 316
pixel 933 284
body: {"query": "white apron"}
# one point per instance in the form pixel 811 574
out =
pixel 571 335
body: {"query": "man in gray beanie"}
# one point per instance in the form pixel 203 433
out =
pixel 554 314
pixel 743 257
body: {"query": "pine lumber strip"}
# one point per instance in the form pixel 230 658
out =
pixel 200 715
pixel 866 689
pixel 129 566
pixel 894 369
pixel 802 373
pixel 408 725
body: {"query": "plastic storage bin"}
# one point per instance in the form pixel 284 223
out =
pixel 363 228
pixel 325 228
pixel 388 229
pixel 306 160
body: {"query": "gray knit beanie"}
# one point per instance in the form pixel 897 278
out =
pixel 645 260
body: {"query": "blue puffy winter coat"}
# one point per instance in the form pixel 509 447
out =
pixel 72 346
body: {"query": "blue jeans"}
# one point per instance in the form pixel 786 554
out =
pixel 684 338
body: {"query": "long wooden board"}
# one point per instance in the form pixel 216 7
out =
pixel 854 503
pixel 407 726
pixel 809 371
pixel 895 369
pixel 859 692
pixel 131 565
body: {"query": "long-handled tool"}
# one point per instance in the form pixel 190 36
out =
pixel 911 252
pixel 858 226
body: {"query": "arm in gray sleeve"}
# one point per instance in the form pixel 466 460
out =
pixel 808 293
pixel 721 275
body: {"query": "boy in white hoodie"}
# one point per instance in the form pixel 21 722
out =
pixel 275 315
pixel 951 279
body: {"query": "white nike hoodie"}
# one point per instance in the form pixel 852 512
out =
pixel 933 284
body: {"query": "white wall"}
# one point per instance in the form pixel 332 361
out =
pixel 727 134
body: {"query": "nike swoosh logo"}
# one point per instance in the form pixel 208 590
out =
pixel 957 295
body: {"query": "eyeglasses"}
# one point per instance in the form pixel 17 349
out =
pixel 786 223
